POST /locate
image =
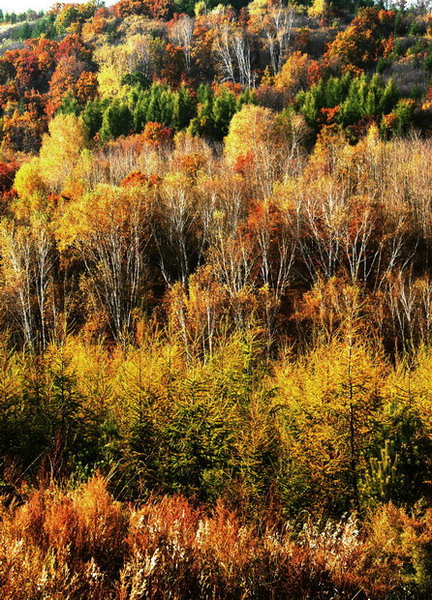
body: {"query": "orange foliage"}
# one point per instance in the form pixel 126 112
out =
pixel 157 9
pixel 22 131
pixel 168 546
pixel 72 45
pixel 244 163
pixel 156 134
pixel 294 74
pixel 192 163
pixel 363 41
pixel 330 114
pixel 32 64
pixel 138 179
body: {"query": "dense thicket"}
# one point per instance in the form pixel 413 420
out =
pixel 215 302
pixel 86 544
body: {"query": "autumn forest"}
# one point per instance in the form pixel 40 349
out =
pixel 216 301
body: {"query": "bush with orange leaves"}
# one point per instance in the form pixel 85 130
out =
pixel 157 134
pixel 57 543
pixel 179 551
pixel 137 179
pixel 84 544
pixel 82 526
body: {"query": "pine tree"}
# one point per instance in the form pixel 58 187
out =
pixel 184 108
pixel 224 108
pixel 92 116
pixel 116 121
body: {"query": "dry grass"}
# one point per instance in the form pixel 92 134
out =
pixel 84 544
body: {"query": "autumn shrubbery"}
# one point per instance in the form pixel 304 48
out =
pixel 246 337
pixel 216 304
pixel 82 543
pixel 58 543
pixel 233 480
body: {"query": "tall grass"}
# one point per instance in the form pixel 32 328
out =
pixel 82 543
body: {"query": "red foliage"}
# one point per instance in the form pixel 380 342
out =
pixel 64 78
pixel 7 176
pixel 156 134
pixel 70 77
pixel 244 163
pixel 136 178
pixel 30 67
pixel 156 9
pixel 314 72
pixel 71 45
pixel 172 71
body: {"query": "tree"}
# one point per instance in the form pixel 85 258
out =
pixel 275 25
pixel 60 149
pixel 261 137
pixel 156 134
pixel 92 116
pixel 107 229
pixel 116 121
pixel 215 111
pixel 331 405
pixel 30 188
pixel 63 81
pixel 23 130
pixel 174 228
pixel 362 42
pixel 156 9
pixel 184 108
pixel 232 47
pixel 182 32
pixel 27 269
pixel 294 74
pixel 248 128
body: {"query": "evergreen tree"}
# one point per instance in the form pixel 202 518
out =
pixel 70 105
pixel 389 98
pixel 224 107
pixel 93 115
pixel 116 121
pixel 184 108
pixel 202 124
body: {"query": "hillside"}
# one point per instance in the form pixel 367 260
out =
pixel 216 301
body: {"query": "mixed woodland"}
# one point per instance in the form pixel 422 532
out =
pixel 216 301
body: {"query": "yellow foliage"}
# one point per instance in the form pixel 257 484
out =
pixel 331 389
pixel 318 9
pixel 61 149
pixel 293 75
pixel 258 8
pixel 412 381
pixel 104 210
pixel 249 128
pixel 116 61
pixel 28 182
pixel 30 189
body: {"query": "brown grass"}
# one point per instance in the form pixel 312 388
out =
pixel 84 544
